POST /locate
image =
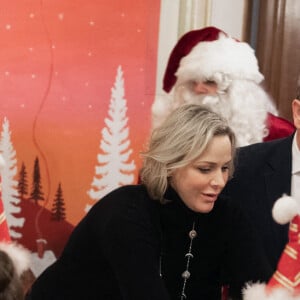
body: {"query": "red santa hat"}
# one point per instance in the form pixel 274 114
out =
pixel 285 282
pixel 203 54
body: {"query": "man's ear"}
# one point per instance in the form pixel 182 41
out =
pixel 296 112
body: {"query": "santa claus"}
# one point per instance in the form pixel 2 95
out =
pixel 209 67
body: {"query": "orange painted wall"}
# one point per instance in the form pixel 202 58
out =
pixel 58 63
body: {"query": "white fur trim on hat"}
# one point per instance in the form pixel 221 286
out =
pixel 225 56
pixel 257 291
pixel 18 254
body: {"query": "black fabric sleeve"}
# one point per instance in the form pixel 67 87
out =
pixel 245 260
pixel 132 246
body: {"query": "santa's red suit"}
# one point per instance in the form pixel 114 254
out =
pixel 210 55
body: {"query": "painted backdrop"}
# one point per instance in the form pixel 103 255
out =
pixel 77 80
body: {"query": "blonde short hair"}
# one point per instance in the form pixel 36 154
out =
pixel 181 138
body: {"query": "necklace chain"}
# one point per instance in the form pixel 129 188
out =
pixel 186 274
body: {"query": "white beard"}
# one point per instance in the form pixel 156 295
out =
pixel 244 105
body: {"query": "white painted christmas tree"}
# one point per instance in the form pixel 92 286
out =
pixel 115 168
pixel 9 184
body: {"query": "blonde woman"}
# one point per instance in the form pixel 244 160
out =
pixel 169 237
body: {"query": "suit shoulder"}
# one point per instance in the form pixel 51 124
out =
pixel 254 158
pixel 260 149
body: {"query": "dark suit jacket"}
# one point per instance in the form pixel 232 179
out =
pixel 262 175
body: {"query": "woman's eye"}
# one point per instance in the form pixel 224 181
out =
pixel 225 169
pixel 204 170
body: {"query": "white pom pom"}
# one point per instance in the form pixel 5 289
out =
pixel 254 291
pixel 257 291
pixel 284 209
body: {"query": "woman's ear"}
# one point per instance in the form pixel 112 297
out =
pixel 296 112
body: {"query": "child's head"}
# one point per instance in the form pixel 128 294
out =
pixel 10 284
pixel 14 260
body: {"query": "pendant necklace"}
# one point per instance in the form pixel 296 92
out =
pixel 186 274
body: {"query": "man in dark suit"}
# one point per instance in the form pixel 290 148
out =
pixel 264 172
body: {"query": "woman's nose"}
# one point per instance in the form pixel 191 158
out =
pixel 219 180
